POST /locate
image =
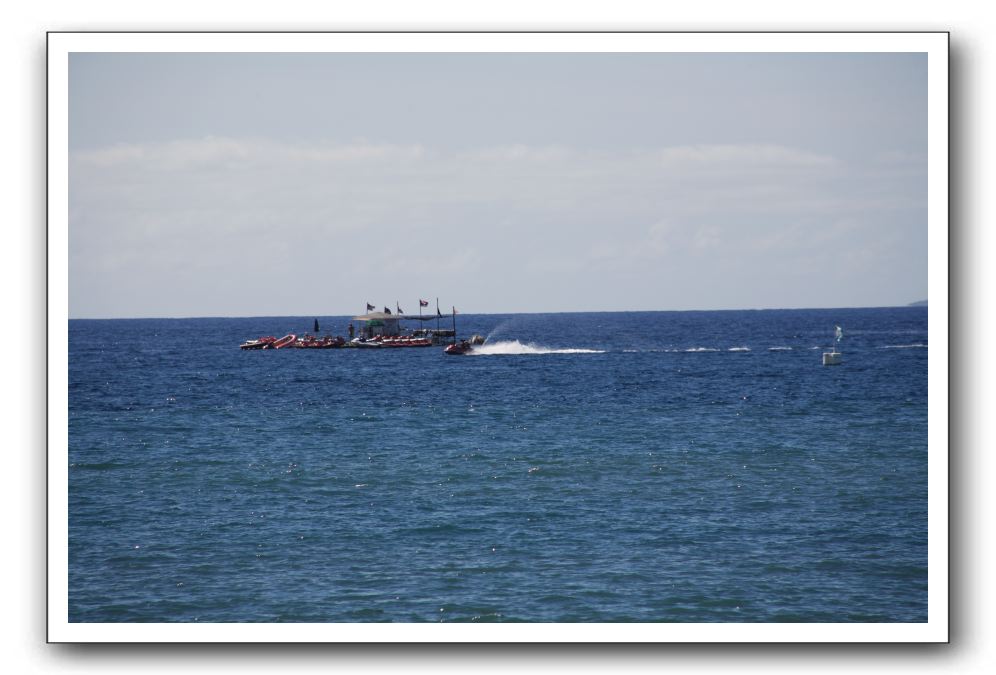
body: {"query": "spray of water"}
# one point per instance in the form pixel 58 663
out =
pixel 499 329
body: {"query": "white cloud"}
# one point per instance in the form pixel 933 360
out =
pixel 260 208
pixel 749 155
pixel 229 152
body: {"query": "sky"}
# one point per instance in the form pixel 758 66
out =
pixel 310 184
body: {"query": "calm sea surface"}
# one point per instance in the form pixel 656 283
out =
pixel 662 466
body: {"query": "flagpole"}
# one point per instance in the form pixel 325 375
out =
pixel 454 324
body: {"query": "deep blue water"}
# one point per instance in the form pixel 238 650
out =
pixel 603 467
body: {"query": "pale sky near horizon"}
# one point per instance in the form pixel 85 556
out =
pixel 309 184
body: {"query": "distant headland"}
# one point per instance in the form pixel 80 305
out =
pixel 918 303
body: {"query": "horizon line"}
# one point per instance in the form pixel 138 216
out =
pixel 917 303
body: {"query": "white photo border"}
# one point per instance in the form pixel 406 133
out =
pixel 934 44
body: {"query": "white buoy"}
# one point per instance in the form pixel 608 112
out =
pixel 834 358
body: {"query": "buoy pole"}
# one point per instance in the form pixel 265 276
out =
pixel 832 357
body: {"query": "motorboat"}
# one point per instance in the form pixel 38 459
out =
pixel 459 348
pixel 405 341
pixel 285 341
pixel 364 343
pixel 260 343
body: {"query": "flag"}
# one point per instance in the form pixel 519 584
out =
pixel 370 307
pixel 840 333
pixel 423 303
pixel 454 310
pixel 438 313
pixel 387 311
pixel 398 307
pixel 316 325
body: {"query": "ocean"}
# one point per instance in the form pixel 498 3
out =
pixel 582 467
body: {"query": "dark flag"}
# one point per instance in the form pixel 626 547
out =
pixel 316 325
pixel 370 307
pixel 398 307
pixel 423 303
pixel 438 313
pixel 387 311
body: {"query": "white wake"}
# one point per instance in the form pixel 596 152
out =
pixel 515 347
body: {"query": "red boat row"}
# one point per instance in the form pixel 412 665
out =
pixel 308 341
pixel 292 340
